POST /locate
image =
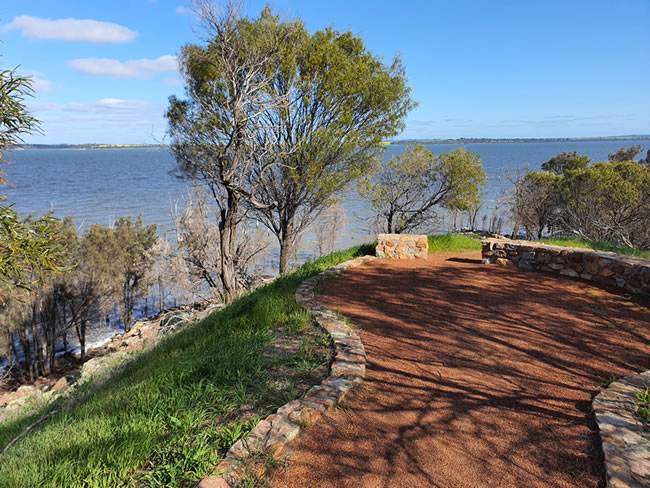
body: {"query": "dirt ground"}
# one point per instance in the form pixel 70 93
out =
pixel 478 376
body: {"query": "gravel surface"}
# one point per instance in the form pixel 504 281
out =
pixel 478 376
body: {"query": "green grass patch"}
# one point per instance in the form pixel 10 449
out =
pixel 599 246
pixel 453 243
pixel 643 405
pixel 170 416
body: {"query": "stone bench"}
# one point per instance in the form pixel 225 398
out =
pixel 402 246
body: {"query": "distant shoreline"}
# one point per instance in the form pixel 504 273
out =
pixel 512 140
pixel 89 146
pixel 400 142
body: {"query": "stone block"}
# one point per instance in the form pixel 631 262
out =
pixel 528 255
pixel 569 272
pixel 401 246
pixel 606 273
pixel 525 264
pixel 575 257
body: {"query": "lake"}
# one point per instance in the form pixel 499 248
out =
pixel 99 185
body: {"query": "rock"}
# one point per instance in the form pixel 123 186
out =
pixel 174 321
pixel 213 482
pixel 100 365
pixel 569 272
pixel 24 392
pixel 61 384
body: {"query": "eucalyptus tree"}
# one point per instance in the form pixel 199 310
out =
pixel 215 131
pixel 342 102
pixel 133 240
pixel 408 190
pixel 29 249
pixel 607 200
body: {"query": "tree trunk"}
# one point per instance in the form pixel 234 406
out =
pixel 128 315
pixel 389 222
pixel 287 241
pixel 81 335
pixel 228 239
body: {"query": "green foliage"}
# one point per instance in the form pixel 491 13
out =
pixel 643 406
pixel 535 201
pixel 15 120
pixel 120 259
pixel 601 201
pixel 169 417
pixel 565 161
pixel 406 192
pixel 342 102
pixel 30 250
pixel 453 243
pixel 218 134
pixel 133 242
pixel 624 154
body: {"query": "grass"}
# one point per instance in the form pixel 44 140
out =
pixel 453 243
pixel 643 405
pixel 170 416
pixel 599 246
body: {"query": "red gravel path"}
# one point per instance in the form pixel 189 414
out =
pixel 478 376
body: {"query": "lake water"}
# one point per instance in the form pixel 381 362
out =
pixel 99 185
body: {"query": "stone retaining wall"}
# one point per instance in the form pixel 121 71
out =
pixel 626 442
pixel 402 246
pixel 626 272
pixel 348 369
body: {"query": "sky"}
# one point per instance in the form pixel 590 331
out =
pixel 104 70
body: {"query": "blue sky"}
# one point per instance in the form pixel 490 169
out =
pixel 104 69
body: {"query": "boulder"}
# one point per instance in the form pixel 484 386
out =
pixel 61 384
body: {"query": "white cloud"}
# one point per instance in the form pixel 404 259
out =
pixel 115 106
pixel 180 10
pixel 104 120
pixel 39 84
pixel 71 29
pixel 172 81
pixel 134 68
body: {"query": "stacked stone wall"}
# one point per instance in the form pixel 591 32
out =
pixel 628 273
pixel 402 246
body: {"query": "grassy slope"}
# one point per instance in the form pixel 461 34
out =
pixel 599 246
pixel 168 418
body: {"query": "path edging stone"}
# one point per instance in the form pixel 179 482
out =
pixel 348 370
pixel 624 438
